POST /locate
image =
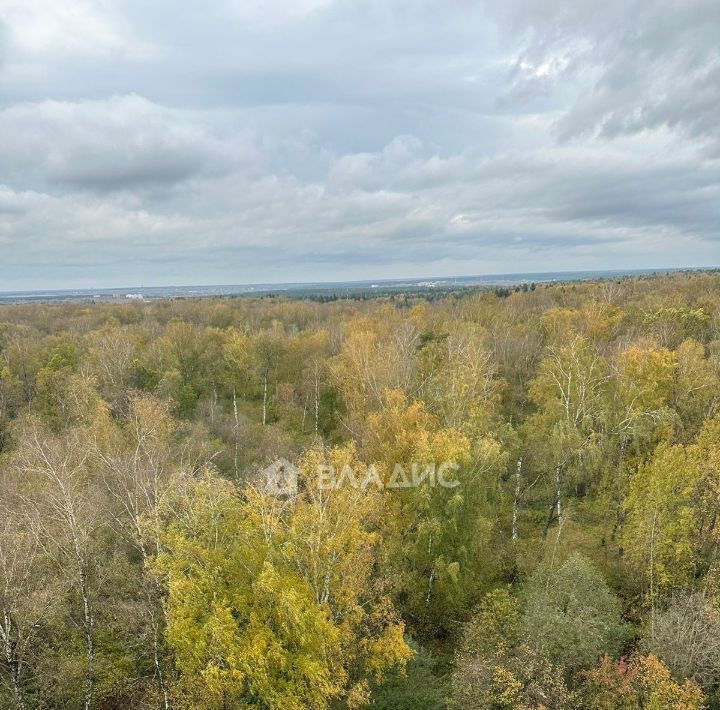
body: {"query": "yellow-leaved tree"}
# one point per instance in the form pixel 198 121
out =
pixel 672 514
pixel 441 512
pixel 272 600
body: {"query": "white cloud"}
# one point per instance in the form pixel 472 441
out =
pixel 70 27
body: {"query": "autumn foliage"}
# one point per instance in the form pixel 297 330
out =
pixel 573 563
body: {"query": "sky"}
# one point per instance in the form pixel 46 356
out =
pixel 239 141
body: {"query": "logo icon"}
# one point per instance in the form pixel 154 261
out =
pixel 281 478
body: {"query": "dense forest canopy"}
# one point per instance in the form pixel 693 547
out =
pixel 144 563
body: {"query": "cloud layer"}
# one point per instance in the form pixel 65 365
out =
pixel 238 142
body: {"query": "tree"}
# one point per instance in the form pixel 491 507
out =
pixel 494 629
pixel 696 389
pixel 643 392
pixel 377 355
pixel 111 352
pixel 268 349
pixel 495 670
pixel 642 683
pixel 672 514
pixel 571 615
pixel 686 638
pixel 271 600
pixel 420 686
pixel 525 681
pixel 187 357
pixel 570 393
pixel 25 602
pixel 311 350
pixel 242 632
pixel 67 513
pixel 438 536
pixel 139 468
pixel 460 384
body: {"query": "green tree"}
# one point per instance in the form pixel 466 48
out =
pixel 570 615
pixel 439 538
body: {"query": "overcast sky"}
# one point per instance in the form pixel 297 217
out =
pixel 235 141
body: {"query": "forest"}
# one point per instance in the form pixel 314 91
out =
pixel 573 563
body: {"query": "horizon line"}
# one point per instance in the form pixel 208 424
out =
pixel 385 280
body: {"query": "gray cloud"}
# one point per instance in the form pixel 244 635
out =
pixel 114 144
pixel 237 141
pixel 632 66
